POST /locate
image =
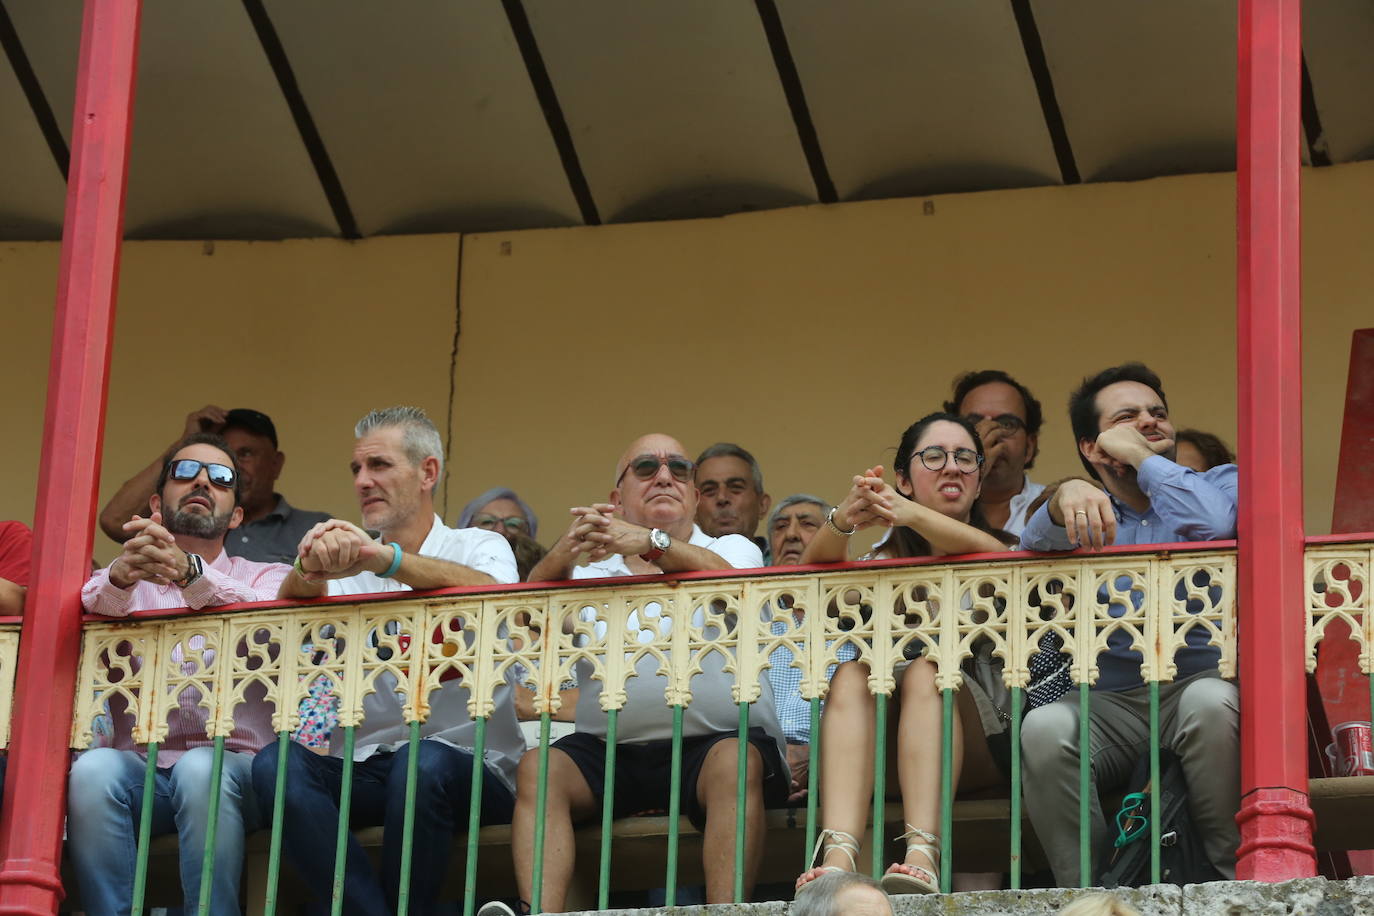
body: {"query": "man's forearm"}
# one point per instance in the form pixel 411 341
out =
pixel 555 566
pixel 685 557
pixel 430 572
pixel 294 586
pixel 11 599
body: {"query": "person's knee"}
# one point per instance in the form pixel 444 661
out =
pixel 264 770
pixel 1210 709
pixel 848 686
pixel 563 779
pixel 918 680
pixel 1049 731
pixel 436 764
pixel 97 776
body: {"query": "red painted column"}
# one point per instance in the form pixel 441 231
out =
pixel 1275 817
pixel 64 517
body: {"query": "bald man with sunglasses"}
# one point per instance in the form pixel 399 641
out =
pixel 173 558
pixel 646 527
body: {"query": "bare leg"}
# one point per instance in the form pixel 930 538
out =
pixel 569 798
pixel 847 742
pixel 717 791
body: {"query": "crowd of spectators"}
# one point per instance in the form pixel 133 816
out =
pixel 202 525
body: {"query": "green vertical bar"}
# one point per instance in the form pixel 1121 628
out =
pixel 1085 852
pixel 813 779
pixel 207 862
pixel 1017 696
pixel 408 834
pixel 674 810
pixel 269 906
pixel 1154 782
pixel 541 799
pixel 946 791
pixel 879 780
pixel 603 892
pixel 741 799
pixel 479 772
pixel 145 830
pixel 341 840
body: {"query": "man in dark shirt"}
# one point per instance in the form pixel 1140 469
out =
pixel 271 529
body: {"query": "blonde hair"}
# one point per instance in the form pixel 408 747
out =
pixel 1099 905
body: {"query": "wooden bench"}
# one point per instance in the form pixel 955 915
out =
pixel 1344 808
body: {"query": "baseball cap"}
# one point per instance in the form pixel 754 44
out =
pixel 253 421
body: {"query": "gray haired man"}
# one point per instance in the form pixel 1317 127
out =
pixel 732 496
pixel 397 462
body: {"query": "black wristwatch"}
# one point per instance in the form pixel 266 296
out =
pixel 195 568
pixel 659 542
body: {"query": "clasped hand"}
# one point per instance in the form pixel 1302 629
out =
pixel 871 501
pixel 337 549
pixel 150 554
pixel 598 531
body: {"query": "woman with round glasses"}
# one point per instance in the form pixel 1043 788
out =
pixel 931 511
pixel 501 510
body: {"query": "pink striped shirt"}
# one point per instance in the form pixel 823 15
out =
pixel 227 580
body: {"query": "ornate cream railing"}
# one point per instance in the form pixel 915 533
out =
pixel 1338 583
pixel 880 611
pixel 9 659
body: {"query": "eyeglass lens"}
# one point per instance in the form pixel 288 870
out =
pixel 220 475
pixel 965 459
pixel 646 466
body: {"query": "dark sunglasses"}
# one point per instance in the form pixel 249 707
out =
pixel 646 466
pixel 221 475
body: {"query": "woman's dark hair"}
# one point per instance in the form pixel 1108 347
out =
pixel 904 542
pixel 1213 451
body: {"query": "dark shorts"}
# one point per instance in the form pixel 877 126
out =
pixel 643 772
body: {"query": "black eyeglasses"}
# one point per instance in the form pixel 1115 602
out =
pixel 966 460
pixel 221 475
pixel 1008 421
pixel 646 466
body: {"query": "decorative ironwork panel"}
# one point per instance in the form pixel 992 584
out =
pixel 9 660
pixel 1338 579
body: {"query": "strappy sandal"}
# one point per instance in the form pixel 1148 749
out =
pixel 840 840
pixel 902 878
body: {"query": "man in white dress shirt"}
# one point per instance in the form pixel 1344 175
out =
pixel 397 462
pixel 647 527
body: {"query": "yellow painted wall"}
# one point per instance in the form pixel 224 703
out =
pixel 313 332
pixel 812 336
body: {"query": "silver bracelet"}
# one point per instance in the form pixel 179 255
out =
pixel 830 520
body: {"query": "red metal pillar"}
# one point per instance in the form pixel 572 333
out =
pixel 1275 817
pixel 64 515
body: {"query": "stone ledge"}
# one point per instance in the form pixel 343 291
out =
pixel 1301 897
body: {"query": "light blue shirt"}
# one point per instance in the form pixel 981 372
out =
pixel 1185 505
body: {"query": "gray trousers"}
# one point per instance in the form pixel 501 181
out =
pixel 1199 719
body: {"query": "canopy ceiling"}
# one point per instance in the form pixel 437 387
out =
pixel 280 118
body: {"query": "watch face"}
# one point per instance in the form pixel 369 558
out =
pixel 659 539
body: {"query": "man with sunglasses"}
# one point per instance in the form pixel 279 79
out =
pixel 173 558
pixel 646 527
pixel 271 527
pixel 1008 419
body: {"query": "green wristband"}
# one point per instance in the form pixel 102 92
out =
pixel 396 555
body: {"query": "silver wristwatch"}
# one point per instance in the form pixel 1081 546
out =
pixel 195 568
pixel 659 542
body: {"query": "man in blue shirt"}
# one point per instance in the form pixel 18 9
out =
pixel 1120 420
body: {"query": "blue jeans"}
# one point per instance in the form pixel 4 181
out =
pixel 311 820
pixel 104 802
